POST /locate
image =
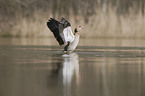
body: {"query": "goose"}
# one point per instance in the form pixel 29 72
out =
pixel 63 33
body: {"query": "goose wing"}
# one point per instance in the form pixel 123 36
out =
pixel 61 30
pixel 67 31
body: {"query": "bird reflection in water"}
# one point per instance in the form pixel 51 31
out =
pixel 70 68
pixel 70 73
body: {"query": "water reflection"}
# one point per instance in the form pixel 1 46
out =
pixel 70 68
pixel 104 80
pixel 69 72
pixel 41 71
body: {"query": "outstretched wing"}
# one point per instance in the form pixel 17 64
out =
pixel 61 30
pixel 53 25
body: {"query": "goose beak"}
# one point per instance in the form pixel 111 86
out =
pixel 81 27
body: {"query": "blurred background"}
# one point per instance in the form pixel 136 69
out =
pixel 101 18
pixel 109 60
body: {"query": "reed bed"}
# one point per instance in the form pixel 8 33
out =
pixel 97 23
pixel 112 25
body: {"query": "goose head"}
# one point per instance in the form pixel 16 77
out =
pixel 78 28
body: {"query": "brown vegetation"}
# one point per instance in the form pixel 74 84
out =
pixel 101 18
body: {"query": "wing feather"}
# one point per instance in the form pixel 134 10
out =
pixel 60 29
pixel 53 25
pixel 69 37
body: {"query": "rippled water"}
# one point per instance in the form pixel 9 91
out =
pixel 42 70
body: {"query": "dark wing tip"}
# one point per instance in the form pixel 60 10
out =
pixel 51 19
pixel 54 26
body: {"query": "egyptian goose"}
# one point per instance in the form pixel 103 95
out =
pixel 63 33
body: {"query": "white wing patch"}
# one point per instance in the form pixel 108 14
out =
pixel 68 35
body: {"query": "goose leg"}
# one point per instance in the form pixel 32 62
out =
pixel 66 47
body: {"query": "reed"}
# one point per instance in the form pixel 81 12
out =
pixel 97 22
pixel 117 26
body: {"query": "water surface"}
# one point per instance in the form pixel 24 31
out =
pixel 31 69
